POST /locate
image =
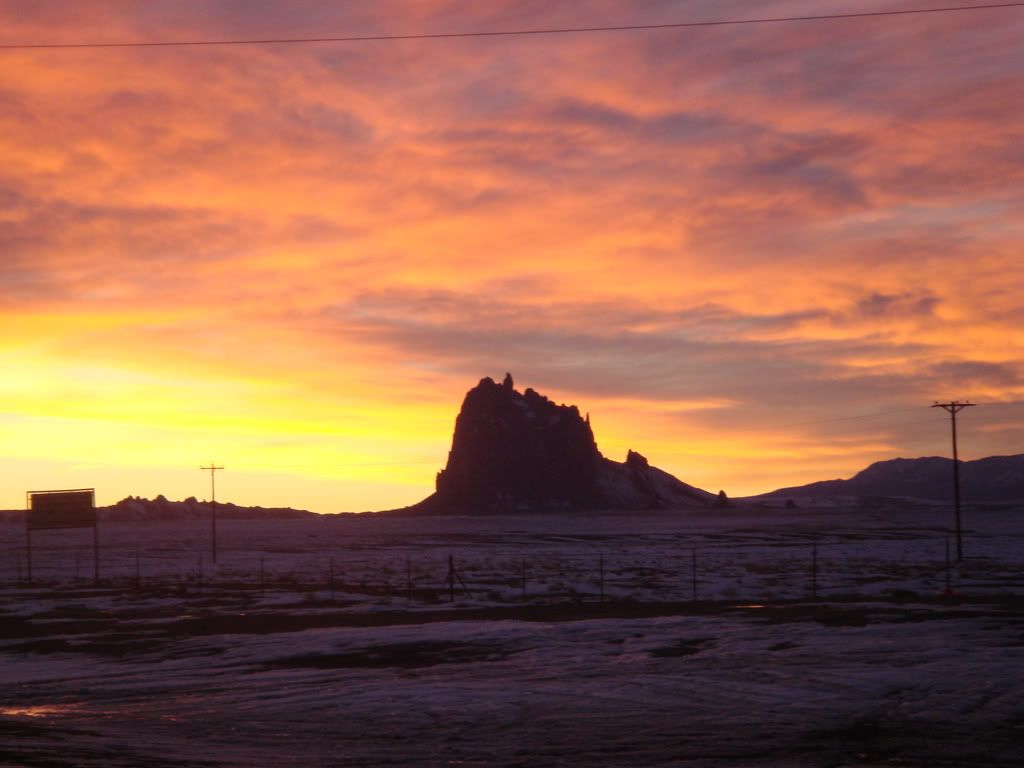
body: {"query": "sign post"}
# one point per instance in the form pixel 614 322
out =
pixel 53 510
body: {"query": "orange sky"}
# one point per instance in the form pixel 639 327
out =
pixel 755 254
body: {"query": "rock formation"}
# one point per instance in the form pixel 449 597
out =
pixel 516 452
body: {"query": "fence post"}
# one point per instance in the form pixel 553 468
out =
pixel 949 583
pixel 451 578
pixel 814 569
pixel 408 577
pixel 693 574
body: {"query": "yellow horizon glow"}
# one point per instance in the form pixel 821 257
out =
pixel 296 262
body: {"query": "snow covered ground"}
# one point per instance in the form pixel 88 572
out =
pixel 172 662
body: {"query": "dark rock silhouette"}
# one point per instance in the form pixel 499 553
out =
pixel 996 479
pixel 515 452
pixel 160 508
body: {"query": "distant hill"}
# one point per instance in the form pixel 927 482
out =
pixel 994 479
pixel 520 452
pixel 160 508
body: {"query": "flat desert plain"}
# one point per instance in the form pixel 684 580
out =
pixel 714 638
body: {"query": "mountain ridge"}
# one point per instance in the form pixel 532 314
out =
pixel 986 480
pixel 162 508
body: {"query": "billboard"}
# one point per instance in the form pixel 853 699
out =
pixel 61 509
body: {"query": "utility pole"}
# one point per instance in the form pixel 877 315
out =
pixel 213 469
pixel 953 408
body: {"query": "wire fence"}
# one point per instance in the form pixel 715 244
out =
pixel 741 566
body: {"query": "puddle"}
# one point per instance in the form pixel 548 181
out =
pixel 41 710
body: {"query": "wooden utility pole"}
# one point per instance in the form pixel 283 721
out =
pixel 953 408
pixel 213 469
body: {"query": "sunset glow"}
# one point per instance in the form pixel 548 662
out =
pixel 755 254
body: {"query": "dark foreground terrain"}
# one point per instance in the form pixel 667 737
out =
pixel 878 667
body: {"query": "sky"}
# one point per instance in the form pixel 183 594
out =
pixel 756 254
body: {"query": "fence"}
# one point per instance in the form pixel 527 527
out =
pixel 742 566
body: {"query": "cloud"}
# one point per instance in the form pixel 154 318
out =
pixel 788 221
pixel 616 349
pixel 976 374
pixel 889 306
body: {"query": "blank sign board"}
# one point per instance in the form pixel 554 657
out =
pixel 61 509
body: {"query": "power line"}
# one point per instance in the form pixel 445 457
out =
pixel 850 418
pixel 511 32
pixel 895 412
pixel 435 462
pixel 875 427
pixel 339 466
